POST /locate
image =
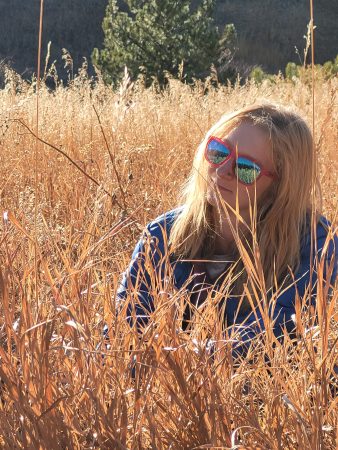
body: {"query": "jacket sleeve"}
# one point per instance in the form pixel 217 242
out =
pixel 144 275
pixel 282 313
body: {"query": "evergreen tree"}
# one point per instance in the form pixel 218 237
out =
pixel 157 36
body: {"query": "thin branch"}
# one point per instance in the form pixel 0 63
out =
pixel 86 174
pixel 112 159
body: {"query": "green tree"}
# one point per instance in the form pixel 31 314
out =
pixel 157 36
pixel 331 68
pixel 258 75
pixel 292 70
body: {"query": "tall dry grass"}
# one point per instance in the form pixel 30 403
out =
pixel 61 386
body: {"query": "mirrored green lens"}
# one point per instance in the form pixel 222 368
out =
pixel 246 171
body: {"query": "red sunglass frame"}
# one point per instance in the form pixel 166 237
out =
pixel 232 155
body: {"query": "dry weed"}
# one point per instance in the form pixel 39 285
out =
pixel 61 387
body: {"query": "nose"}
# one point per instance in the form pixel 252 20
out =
pixel 225 170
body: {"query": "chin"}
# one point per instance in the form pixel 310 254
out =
pixel 214 200
pixel 211 198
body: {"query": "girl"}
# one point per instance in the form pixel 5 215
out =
pixel 243 232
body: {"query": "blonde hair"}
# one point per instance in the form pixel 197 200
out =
pixel 281 216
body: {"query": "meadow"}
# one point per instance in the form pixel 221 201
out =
pixel 72 210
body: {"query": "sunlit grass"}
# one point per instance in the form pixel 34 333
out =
pixel 57 390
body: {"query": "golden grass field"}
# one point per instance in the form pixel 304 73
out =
pixel 64 242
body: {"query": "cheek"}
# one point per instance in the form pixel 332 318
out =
pixel 264 186
pixel 248 195
pixel 245 197
pixel 210 172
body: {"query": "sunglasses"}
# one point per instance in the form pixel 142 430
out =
pixel 247 170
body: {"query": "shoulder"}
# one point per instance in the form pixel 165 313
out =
pixel 326 238
pixel 324 231
pixel 324 227
pixel 163 223
pixel 327 234
pixel 156 234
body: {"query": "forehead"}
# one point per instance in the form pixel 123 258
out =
pixel 253 142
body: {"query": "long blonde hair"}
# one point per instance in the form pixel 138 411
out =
pixel 282 216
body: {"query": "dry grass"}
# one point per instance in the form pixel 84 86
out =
pixel 60 262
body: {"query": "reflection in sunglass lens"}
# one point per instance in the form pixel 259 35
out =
pixel 246 170
pixel 217 152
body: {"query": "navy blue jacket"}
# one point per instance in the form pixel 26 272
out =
pixel 153 244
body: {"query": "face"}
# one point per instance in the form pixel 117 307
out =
pixel 251 142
